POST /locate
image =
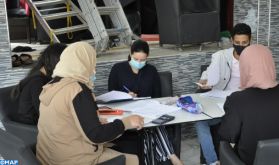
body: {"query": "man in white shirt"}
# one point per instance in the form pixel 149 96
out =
pixel 222 74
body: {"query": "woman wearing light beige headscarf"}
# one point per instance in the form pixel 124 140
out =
pixel 251 114
pixel 69 128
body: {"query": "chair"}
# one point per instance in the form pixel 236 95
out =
pixel 227 155
pixel 167 91
pixel 8 110
pixel 188 21
pixel 166 84
pixel 13 148
pixel 267 153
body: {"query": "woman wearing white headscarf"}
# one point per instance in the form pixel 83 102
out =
pixel 70 131
pixel 251 114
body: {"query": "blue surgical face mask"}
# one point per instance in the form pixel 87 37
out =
pixel 93 78
pixel 136 64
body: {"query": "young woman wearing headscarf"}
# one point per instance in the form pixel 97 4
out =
pixel 250 114
pixel 70 131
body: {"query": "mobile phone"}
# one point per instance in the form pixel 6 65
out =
pixel 163 119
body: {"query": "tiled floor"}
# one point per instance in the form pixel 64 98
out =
pixel 190 151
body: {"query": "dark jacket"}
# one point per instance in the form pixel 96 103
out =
pixel 251 115
pixel 30 89
pixel 145 83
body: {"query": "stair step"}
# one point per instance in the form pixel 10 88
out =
pixel 48 2
pixel 53 9
pixel 115 32
pixel 70 29
pixel 105 10
pixel 60 15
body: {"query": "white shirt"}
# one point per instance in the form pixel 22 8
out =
pixel 234 82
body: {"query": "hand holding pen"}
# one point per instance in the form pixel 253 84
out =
pixel 130 92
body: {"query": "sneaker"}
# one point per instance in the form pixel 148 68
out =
pixel 215 163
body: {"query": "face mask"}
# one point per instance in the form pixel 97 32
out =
pixel 137 65
pixel 93 78
pixel 239 48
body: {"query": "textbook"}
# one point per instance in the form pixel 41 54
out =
pixel 116 96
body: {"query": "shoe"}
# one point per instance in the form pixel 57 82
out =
pixel 23 49
pixel 26 59
pixel 16 60
pixel 215 163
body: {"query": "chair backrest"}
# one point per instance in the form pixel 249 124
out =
pixel 267 152
pixel 166 84
pixel 8 111
pixel 194 6
pixel 13 148
pixel 227 155
pixel 8 106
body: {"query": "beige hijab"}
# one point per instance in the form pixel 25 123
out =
pixel 77 61
pixel 257 68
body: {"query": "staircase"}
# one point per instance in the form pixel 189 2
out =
pixel 89 18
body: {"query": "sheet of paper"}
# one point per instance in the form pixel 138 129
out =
pixel 146 119
pixel 217 93
pixel 113 95
pixel 148 108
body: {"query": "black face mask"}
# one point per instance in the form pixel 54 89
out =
pixel 239 48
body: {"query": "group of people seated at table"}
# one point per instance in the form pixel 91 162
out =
pixel 56 95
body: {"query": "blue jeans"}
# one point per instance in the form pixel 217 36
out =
pixel 205 139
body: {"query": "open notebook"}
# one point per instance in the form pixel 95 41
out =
pixel 116 96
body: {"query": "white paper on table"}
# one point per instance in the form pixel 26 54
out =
pixel 148 108
pixel 117 96
pixel 217 93
pixel 113 95
pixel 111 119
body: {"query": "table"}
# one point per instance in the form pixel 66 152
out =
pixel 209 105
pixel 210 111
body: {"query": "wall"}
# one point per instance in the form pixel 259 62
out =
pixel 247 11
pixel 184 66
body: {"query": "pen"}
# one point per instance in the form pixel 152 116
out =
pixel 127 89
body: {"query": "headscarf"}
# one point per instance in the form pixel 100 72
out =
pixel 77 61
pixel 257 68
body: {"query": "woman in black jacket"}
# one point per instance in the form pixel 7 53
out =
pixel 251 114
pixel 28 89
pixel 139 79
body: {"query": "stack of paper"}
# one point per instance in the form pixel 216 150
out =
pixel 113 96
pixel 116 96
pixel 148 108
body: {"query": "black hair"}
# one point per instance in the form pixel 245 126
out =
pixel 139 46
pixel 241 28
pixel 48 59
